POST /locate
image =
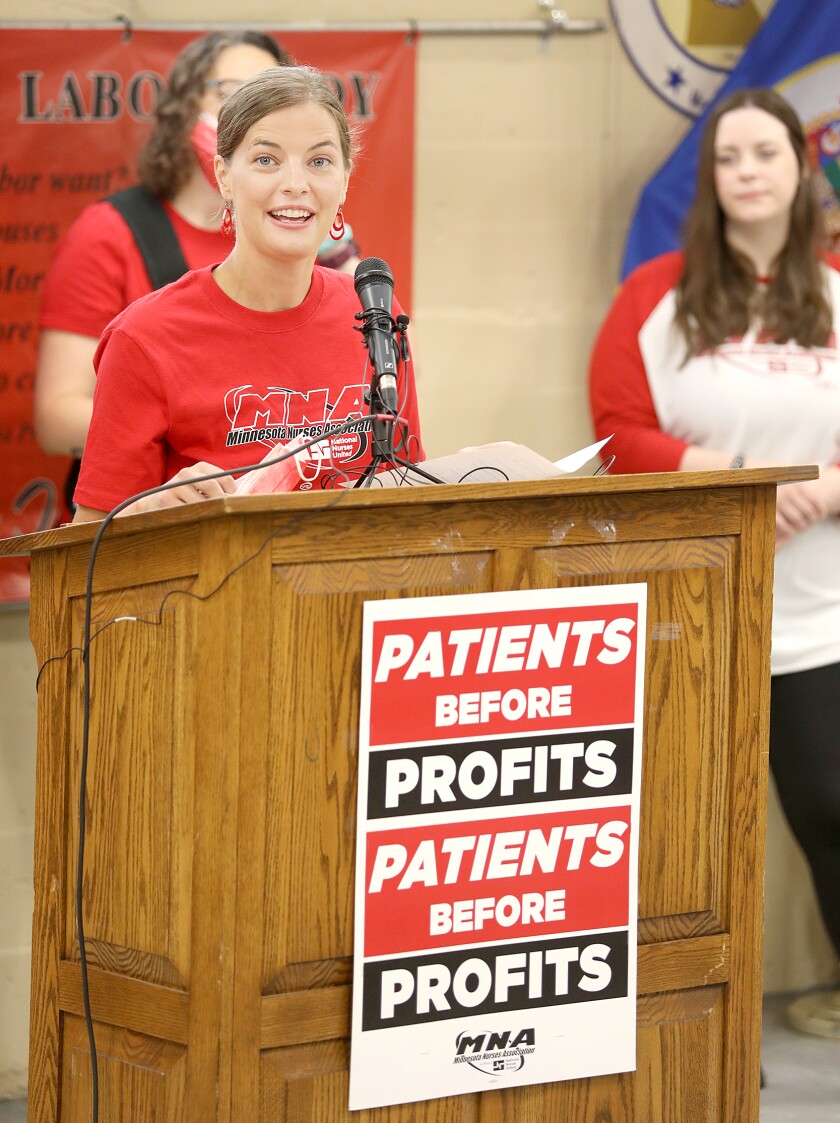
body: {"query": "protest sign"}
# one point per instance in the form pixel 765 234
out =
pixel 496 862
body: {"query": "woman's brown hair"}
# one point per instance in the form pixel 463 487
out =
pixel 716 296
pixel 167 161
pixel 282 88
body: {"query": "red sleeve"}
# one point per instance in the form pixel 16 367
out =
pixel 97 271
pixel 125 447
pixel 619 392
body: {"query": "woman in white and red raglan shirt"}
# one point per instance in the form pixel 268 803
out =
pixel 726 354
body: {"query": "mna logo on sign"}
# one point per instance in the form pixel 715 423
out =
pixel 504 1051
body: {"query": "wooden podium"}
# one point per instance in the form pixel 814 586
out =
pixel 218 889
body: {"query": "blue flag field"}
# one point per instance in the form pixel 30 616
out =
pixel 796 51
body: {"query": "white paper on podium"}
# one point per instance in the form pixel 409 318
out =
pixel 575 461
pixel 493 463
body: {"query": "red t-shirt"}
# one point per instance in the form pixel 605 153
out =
pixel 186 374
pixel 97 270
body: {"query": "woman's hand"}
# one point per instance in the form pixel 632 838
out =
pixel 800 506
pixel 189 489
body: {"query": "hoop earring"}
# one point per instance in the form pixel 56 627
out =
pixel 227 219
pixel 337 228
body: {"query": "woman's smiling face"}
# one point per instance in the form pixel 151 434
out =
pixel 286 181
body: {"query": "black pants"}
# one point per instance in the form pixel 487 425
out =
pixel 805 759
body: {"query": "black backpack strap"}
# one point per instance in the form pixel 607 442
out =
pixel 153 232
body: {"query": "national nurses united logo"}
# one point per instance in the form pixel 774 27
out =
pixel 813 93
pixel 685 49
pixel 494 1052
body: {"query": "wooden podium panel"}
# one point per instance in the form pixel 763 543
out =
pixel 220 841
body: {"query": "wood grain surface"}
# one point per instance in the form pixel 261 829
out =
pixel 221 800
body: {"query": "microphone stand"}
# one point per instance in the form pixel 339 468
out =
pixel 383 417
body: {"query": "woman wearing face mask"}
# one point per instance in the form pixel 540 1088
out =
pixel 99 269
pixel 220 367
pixel 726 355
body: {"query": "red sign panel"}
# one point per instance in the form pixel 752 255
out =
pixel 75 107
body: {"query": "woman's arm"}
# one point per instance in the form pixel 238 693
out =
pixel 88 515
pixel 64 385
pixel 619 392
pixel 696 459
pixel 95 266
pixel 800 506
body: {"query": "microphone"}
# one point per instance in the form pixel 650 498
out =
pixel 374 285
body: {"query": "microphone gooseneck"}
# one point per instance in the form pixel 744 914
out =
pixel 386 344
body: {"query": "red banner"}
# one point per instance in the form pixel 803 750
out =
pixel 76 107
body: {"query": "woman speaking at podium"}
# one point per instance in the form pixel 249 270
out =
pixel 726 355
pixel 217 368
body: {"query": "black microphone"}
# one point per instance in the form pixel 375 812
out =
pixel 375 289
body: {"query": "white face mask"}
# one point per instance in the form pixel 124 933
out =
pixel 204 141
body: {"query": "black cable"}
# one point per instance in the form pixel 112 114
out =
pixel 99 631
pixel 166 487
pixel 484 468
pixel 87 640
pixel 80 869
pixel 412 437
pixel 56 659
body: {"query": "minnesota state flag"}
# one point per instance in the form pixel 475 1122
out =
pixel 797 51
